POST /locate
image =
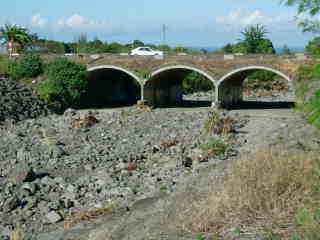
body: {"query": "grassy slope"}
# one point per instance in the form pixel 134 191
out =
pixel 308 93
pixel 275 192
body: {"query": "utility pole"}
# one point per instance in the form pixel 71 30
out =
pixel 164 30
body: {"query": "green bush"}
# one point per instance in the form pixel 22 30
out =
pixel 29 66
pixel 4 65
pixel 214 147
pixel 65 82
pixel 313 107
pixel 260 80
pixel 308 92
pixel 196 82
pixel 313 47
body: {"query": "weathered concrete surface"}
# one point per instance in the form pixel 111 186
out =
pixel 160 79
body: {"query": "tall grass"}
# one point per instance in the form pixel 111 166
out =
pixel 273 193
pixel 308 92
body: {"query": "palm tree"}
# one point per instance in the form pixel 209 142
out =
pixel 252 37
pixel 18 37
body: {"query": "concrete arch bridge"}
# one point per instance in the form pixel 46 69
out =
pixel 159 81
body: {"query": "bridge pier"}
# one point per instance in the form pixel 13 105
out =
pixel 230 92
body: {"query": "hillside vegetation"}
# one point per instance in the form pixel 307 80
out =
pixel 308 93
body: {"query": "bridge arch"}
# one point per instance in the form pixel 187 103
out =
pixel 164 86
pixel 113 67
pixel 111 85
pixel 230 86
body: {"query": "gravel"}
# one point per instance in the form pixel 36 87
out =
pixel 18 102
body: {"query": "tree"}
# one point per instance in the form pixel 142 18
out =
pixel 286 50
pixel 137 43
pixel 309 7
pixel 66 82
pixel 313 47
pixel 228 48
pixel 180 49
pixel 203 51
pixel 254 37
pixel 254 41
pixel 48 46
pixel 240 47
pixel 18 36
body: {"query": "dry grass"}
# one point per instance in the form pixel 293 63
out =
pixel 143 107
pixel 86 215
pixel 165 144
pixel 84 122
pixel 274 192
pixel 218 124
pixel 17 234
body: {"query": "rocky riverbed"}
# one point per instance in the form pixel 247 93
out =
pixel 53 167
pixel 120 173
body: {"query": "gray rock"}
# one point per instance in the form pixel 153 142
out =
pixel 70 112
pixel 23 173
pixel 30 187
pixel 57 235
pixel 57 152
pixel 53 217
pixel 11 204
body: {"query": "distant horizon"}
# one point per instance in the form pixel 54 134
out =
pixel 211 23
pixel 295 49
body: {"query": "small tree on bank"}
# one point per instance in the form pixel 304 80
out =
pixel 18 37
pixel 254 41
pixel 66 82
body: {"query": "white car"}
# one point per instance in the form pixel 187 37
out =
pixel 145 51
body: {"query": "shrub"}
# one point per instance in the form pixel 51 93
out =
pixel 214 147
pixel 195 82
pixel 313 47
pixel 65 82
pixel 313 107
pixel 4 66
pixel 260 80
pixel 308 92
pixel 29 66
pixel 271 192
pixel 218 124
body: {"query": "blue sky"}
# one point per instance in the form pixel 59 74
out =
pixel 200 23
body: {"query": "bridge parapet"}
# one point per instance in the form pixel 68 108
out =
pixel 216 65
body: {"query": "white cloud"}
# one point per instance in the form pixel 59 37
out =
pixel 38 21
pixel 239 18
pixel 76 20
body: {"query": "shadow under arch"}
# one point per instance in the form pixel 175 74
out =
pixel 164 87
pixel 230 89
pixel 110 86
